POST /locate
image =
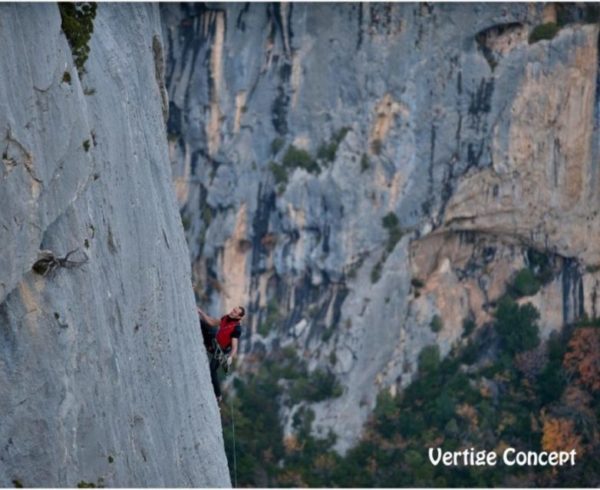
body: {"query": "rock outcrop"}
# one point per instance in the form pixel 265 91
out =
pixel 350 172
pixel 103 376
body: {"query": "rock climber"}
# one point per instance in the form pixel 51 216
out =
pixel 224 335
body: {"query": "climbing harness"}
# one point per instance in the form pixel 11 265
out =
pixel 219 355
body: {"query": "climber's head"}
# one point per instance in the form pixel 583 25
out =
pixel 237 313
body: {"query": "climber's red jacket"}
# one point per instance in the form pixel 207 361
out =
pixel 228 329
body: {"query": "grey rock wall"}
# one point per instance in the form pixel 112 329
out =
pixel 103 376
pixel 443 114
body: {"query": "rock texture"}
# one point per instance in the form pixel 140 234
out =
pixel 295 129
pixel 103 377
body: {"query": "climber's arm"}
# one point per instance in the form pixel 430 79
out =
pixel 234 347
pixel 213 322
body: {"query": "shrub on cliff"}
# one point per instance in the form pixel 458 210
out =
pixel 395 232
pixel 525 284
pixel 78 26
pixel 298 158
pixel 327 151
pixel 436 324
pixel 543 32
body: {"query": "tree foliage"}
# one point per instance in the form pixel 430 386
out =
pixel 517 325
pixel 583 357
pixel 78 26
pixel 559 435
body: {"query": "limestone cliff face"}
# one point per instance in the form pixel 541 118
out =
pixel 103 377
pixel 296 129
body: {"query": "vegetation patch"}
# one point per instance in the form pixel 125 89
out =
pixel 436 324
pixel 78 26
pixel 524 284
pixel 377 270
pixel 298 158
pixel 279 173
pixel 317 386
pixel 541 266
pixel 260 446
pixel 391 223
pixel 417 283
pixel 327 151
pixel 529 280
pixel 543 32
pixel 395 233
pixel 543 398
pixel 429 358
pixel 516 325
pixel 85 484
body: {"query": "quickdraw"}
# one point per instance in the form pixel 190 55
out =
pixel 219 355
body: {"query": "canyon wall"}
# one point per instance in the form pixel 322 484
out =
pixel 368 178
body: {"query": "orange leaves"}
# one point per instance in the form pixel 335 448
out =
pixel 583 357
pixel 559 435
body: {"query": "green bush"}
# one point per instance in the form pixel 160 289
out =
pixel 436 324
pixel 78 26
pixel 525 284
pixel 318 386
pixel 279 172
pixel 543 32
pixel 327 151
pixel 417 283
pixel 516 325
pixel 391 223
pixel 429 358
pixel 376 272
pixel 298 158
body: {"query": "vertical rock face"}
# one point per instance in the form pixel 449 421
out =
pixel 295 130
pixel 103 378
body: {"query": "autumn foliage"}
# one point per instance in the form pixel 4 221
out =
pixel 582 358
pixel 559 435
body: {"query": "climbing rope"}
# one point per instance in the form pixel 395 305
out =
pixel 221 357
pixel 234 455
